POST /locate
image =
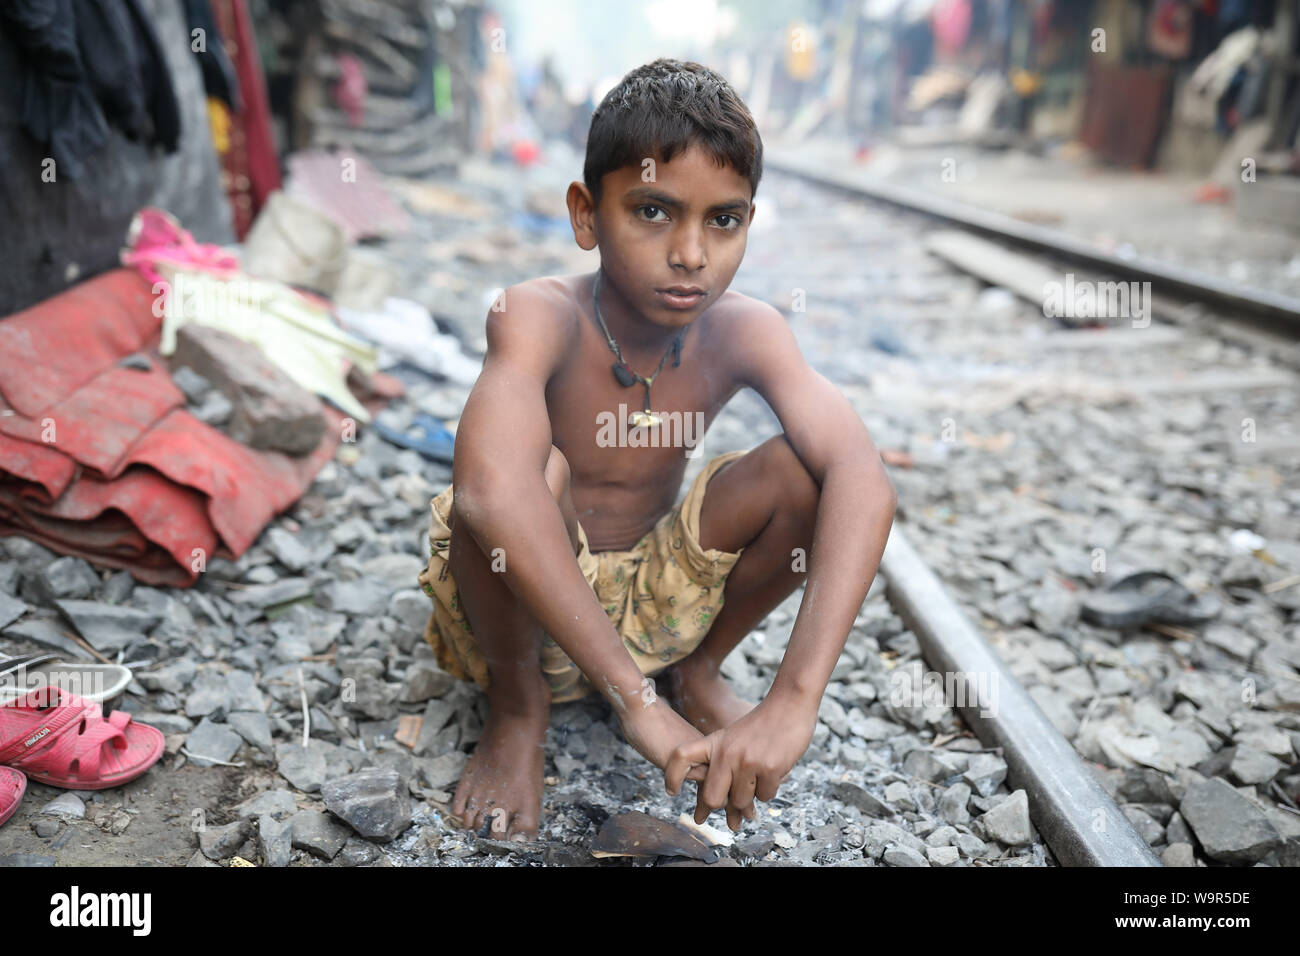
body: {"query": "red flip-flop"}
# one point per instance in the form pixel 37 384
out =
pixel 12 787
pixel 63 740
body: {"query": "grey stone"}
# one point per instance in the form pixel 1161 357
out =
pixel 1147 827
pixel 254 727
pixel 833 716
pixel 1251 766
pixel 903 856
pixel 855 758
pixel 925 765
pixel 274 803
pixel 62 578
pixel 952 804
pixel 985 773
pixel 1008 822
pixel 209 694
pixel 44 631
pixel 1178 854
pixel 67 805
pixel 395 570
pixel 364 597
pixel 439 773
pixel 209 740
pixel 318 833
pixel 194 385
pixel 943 855
pixel 172 677
pixel 1176 830
pixel 971 846
pixel 373 802
pixel 243 692
pixel 1053 607
pixel 288 550
pixel 304 768
pixel 1056 710
pixel 858 796
pixel 199 860
pixel 167 723
pixel 1270 740
pixel 358 852
pixel 373 698
pixel 411 607
pixel 269 595
pixel 887 834
pixel 45 828
pixel 424 681
pixel 941 836
pixel 308 623
pixel 271 410
pixel 26 859
pixel 291 647
pixel 218 843
pixel 1229 827
pixel 107 627
pixel 276 838
pixel 11 609
pixel 871 728
pixel 899 794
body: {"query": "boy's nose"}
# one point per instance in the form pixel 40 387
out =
pixel 688 249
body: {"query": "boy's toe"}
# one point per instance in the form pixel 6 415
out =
pixel 524 826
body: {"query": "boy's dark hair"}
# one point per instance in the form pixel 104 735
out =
pixel 663 107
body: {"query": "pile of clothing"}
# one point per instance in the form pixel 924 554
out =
pixel 99 456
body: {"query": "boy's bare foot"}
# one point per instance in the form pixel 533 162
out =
pixel 502 782
pixel 703 697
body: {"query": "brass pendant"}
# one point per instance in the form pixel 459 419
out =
pixel 645 419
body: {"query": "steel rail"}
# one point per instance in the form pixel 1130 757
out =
pixel 1274 307
pixel 1073 812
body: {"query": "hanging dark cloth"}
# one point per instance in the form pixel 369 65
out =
pixel 219 79
pixel 88 64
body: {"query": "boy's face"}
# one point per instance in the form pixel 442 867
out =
pixel 686 229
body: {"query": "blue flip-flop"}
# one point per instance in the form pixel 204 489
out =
pixel 428 436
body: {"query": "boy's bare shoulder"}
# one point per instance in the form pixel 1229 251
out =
pixel 749 332
pixel 535 319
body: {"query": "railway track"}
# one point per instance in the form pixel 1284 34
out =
pixel 968 374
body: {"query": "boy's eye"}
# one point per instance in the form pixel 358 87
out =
pixel 727 215
pixel 656 208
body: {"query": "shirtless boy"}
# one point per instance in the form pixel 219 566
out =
pixel 560 564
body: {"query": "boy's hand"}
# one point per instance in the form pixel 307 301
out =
pixel 746 760
pixel 657 731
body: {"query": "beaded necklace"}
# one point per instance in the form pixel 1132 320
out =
pixel 624 374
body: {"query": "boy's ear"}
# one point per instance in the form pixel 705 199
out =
pixel 582 215
pixel 753 208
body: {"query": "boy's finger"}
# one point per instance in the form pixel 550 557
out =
pixel 682 760
pixel 713 794
pixel 733 818
pixel 742 791
pixel 767 787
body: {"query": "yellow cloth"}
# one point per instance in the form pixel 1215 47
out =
pixel 661 596
pixel 293 332
pixel 219 123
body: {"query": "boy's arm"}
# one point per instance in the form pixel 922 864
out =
pixel 854 515
pixel 503 441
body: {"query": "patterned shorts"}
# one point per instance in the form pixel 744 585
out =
pixel 661 596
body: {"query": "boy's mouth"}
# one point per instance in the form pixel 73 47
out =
pixel 682 296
